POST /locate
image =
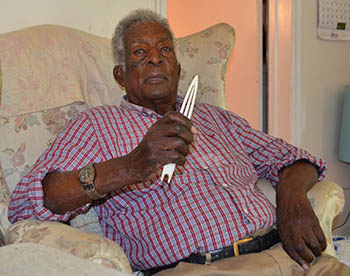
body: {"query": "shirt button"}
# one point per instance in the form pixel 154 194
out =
pixel 224 184
pixel 245 210
pixel 205 167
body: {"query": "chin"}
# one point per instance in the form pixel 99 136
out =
pixel 161 94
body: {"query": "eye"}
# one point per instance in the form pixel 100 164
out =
pixel 139 51
pixel 166 49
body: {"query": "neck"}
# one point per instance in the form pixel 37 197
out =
pixel 159 107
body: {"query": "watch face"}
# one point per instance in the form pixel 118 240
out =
pixel 87 174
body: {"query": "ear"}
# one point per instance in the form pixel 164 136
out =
pixel 118 74
pixel 179 72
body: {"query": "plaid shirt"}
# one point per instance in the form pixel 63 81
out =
pixel 211 201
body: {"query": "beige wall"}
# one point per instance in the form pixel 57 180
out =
pixel 322 69
pixel 242 85
pixel 97 17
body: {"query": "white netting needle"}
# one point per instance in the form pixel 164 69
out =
pixel 186 109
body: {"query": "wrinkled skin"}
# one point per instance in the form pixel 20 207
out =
pixel 151 71
pixel 167 141
pixel 298 227
pixel 151 77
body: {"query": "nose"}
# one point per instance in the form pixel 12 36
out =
pixel 155 57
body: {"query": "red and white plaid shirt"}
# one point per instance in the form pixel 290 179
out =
pixel 211 201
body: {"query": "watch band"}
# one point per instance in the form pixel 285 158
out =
pixel 92 193
pixel 87 178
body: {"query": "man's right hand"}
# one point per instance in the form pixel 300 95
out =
pixel 167 141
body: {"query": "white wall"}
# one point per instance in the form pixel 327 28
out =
pixel 321 71
pixel 95 16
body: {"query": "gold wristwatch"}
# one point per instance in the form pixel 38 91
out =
pixel 87 178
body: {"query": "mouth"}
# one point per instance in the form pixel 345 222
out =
pixel 156 78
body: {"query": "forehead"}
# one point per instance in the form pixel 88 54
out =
pixel 146 31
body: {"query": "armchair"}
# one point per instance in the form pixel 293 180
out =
pixel 49 74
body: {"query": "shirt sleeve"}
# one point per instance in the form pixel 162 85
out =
pixel 269 154
pixel 75 147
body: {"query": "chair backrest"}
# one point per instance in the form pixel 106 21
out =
pixel 50 73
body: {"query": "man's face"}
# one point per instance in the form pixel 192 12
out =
pixel 151 71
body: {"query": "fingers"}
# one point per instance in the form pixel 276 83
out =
pixel 166 141
pixel 298 251
pixel 174 124
pixel 176 117
pixel 307 247
pixel 175 144
pixel 177 130
pixel 321 238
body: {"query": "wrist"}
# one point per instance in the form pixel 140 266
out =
pixel 132 170
pixel 298 178
pixel 115 174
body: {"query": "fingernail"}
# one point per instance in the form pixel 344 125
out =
pixel 194 130
pixel 305 267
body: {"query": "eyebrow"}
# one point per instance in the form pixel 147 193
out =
pixel 142 40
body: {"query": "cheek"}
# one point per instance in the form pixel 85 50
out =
pixel 137 64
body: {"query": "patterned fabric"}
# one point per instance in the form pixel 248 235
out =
pixel 27 136
pixel 4 201
pixel 342 247
pixel 206 53
pixel 96 248
pixel 211 202
pixel 50 66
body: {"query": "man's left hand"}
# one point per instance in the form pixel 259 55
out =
pixel 299 229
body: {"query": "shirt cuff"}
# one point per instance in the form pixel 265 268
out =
pixel 300 154
pixel 36 197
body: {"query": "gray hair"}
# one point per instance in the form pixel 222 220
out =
pixel 139 15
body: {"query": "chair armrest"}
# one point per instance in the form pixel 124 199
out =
pixel 89 246
pixel 327 200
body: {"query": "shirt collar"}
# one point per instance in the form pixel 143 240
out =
pixel 125 103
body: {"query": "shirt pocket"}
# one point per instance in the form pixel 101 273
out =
pixel 212 150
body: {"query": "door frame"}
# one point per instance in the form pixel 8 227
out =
pixel 280 68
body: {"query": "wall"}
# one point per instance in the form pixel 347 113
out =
pixel 322 69
pixel 243 74
pixel 97 17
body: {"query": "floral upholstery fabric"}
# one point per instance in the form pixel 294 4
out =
pixel 206 53
pixel 27 136
pixel 96 248
pixel 50 66
pixel 4 201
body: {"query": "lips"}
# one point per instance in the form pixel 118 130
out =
pixel 156 78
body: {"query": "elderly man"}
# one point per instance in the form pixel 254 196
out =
pixel 113 156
